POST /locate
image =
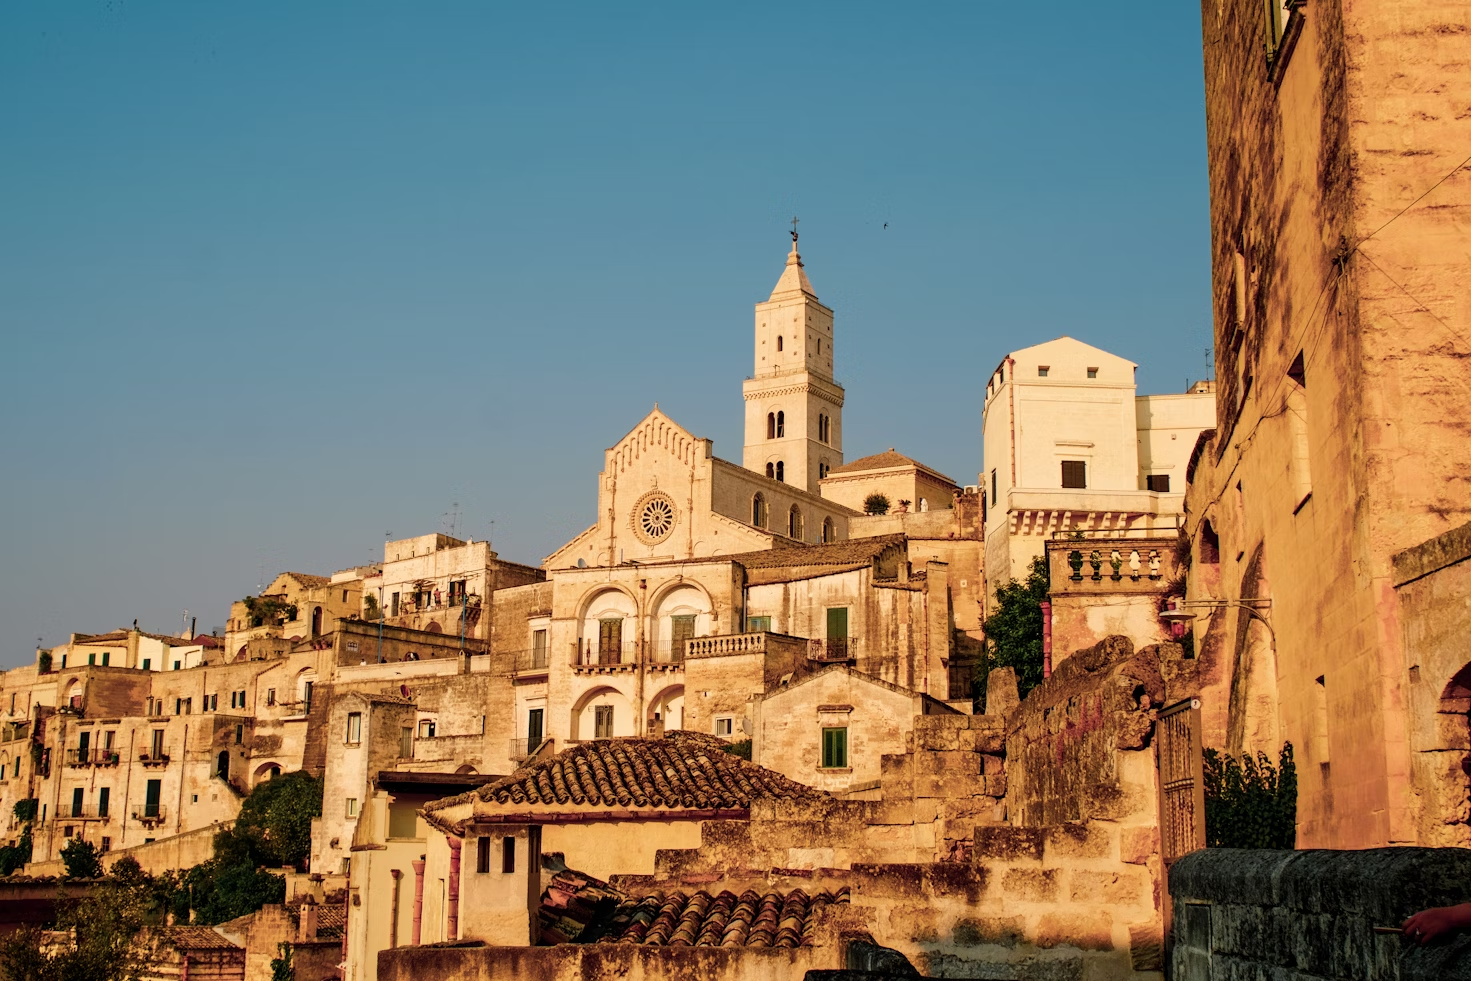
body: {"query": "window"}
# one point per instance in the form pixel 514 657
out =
pixel 403 822
pixel 306 695
pixel 770 472
pixel 837 623
pixel 212 702
pixel 508 854
pixel 406 743
pixel 394 602
pixel 106 844
pixel 104 801
pixel 781 470
pixel 610 640
pixel 63 660
pixel 354 728
pixel 344 596
pixel 77 796
pixel 822 469
pixel 152 795
pixel 1158 482
pixel 239 735
pixel 1075 473
pixel 106 657
pixel 681 629
pixel 538 648
pixel 92 658
pixel 177 665
pixel 834 747
pixel 107 738
pixel 482 854
pixel 270 696
pixel 426 728
pixel 778 342
pixel 756 625
pixel 178 706
pixel 156 750
pixel 993 487
pixel 1092 372
pixel 351 808
pixel 725 725
pixel 794 523
pixel 758 506
pixel 535 726
pixel 1042 370
pixel 829 530
pixel 781 425
pixel 458 591
pixel 602 726
pixel 148 664
pixel 770 426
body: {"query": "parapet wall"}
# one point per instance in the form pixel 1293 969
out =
pixel 1290 915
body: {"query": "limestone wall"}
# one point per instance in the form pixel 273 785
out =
pixel 1306 915
pixel 603 962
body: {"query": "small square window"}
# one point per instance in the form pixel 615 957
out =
pixel 426 729
pixel 352 807
pixel 147 664
pixel 1075 473
pixel 725 726
pixel 1092 372
pixel 1158 482
pixel 194 798
pixel 1042 370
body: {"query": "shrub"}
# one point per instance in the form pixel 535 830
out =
pixel 876 504
pixel 741 749
pixel 1249 803
pixel 81 860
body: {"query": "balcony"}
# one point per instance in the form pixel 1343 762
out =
pixel 92 757
pixel 524 749
pixel 1127 565
pixel 84 813
pixel 729 644
pixel 154 759
pixel 150 815
pixel 587 659
pixel 530 664
pixel 835 650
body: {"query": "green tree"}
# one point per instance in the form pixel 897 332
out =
pixel 281 966
pixel 277 817
pixel 1014 631
pixel 102 936
pixel 81 860
pixel 876 504
pixel 1249 803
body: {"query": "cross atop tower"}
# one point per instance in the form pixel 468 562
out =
pixel 795 219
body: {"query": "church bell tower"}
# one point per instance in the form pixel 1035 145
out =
pixel 794 409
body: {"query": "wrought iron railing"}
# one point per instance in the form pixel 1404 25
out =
pixel 151 814
pixel 832 649
pixel 522 749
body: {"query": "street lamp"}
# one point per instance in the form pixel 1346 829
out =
pixel 1178 611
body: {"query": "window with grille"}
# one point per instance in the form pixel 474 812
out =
pixel 1158 482
pixel 602 722
pixel 1075 473
pixel 834 747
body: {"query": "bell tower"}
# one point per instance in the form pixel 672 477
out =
pixel 794 409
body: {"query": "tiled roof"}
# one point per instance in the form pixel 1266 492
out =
pixel 198 938
pixel 854 551
pixel 723 920
pixel 579 908
pixel 884 461
pixel 121 636
pixel 331 918
pixel 308 580
pixel 681 770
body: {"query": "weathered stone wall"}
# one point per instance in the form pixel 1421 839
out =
pixel 1310 915
pixel 604 962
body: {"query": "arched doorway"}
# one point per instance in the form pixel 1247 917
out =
pixel 666 711
pixel 316 621
pixel 601 713
pixel 222 765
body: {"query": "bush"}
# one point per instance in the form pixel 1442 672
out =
pixel 81 860
pixel 1014 631
pixel 876 504
pixel 1249 803
pixel 741 749
pixel 12 857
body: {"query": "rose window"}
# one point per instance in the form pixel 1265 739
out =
pixel 654 518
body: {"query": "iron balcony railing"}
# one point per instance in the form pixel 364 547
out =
pixel 530 661
pixel 522 749
pixel 591 654
pixel 151 814
pixel 832 649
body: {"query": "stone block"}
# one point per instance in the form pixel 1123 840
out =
pixel 981 740
pixel 1146 947
pixel 951 882
pixel 1128 887
pixel 926 809
pixel 947 763
pixel 1086 929
pixel 972 932
pixel 1087 840
pixel 936 740
pixel 991 765
pixel 995 786
pixel 892 812
pixel 1031 885
pixel 1008 844
pixel 1138 845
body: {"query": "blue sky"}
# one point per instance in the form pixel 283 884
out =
pixel 277 279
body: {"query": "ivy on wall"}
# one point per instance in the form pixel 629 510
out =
pixel 1249 802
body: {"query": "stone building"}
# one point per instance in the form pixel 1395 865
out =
pixel 1338 214
pixel 440 584
pixel 1070 448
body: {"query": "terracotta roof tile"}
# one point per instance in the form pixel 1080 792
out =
pixel 854 551
pixel 884 461
pixel 308 580
pixel 681 770
pixel 198 938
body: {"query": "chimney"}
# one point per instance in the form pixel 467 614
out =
pixel 307 925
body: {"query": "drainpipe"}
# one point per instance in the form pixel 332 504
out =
pixel 393 917
pixel 1046 638
pixel 418 865
pixel 452 927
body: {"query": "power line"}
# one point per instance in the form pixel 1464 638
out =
pixel 1407 207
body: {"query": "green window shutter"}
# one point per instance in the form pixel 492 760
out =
pixel 756 625
pixel 834 748
pixel 837 623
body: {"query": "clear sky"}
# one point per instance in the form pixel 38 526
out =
pixel 277 279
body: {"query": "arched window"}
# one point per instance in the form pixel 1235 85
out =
pixel 781 424
pixel 821 469
pixel 822 428
pixel 778 342
pixel 829 532
pixel 781 471
pixel 771 470
pixel 758 510
pixel 794 523
pixel 771 425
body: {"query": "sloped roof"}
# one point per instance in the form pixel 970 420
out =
pixel 308 580
pixel 577 907
pixel 793 277
pixel 198 938
pixel 681 770
pixel 883 461
pixel 331 919
pixel 121 636
pixel 859 551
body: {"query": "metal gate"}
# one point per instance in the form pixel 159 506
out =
pixel 1181 784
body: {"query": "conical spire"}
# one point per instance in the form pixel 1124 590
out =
pixel 793 279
